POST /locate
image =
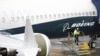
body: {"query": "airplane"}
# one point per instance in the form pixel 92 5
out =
pixel 28 44
pixel 51 17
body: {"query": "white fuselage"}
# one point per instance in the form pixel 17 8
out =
pixel 13 13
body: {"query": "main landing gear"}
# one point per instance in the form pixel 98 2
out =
pixel 92 43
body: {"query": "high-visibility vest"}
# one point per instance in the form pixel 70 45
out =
pixel 76 32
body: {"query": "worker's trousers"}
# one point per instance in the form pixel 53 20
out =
pixel 76 38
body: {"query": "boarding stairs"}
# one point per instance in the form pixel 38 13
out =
pixel 81 49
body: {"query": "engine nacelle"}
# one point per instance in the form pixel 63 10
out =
pixel 43 43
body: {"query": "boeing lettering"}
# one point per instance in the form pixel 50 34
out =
pixel 83 24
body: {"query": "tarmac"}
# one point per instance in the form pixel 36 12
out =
pixel 59 47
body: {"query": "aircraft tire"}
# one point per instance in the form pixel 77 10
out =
pixel 92 44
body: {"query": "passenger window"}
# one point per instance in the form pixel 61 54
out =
pixel 12 19
pixel 59 15
pixel 63 15
pixel 86 13
pixel 45 16
pixel 3 19
pixel 32 17
pixel 18 18
pixel 37 17
pixel 94 13
pixel 91 13
pixel 71 14
pixel 22 17
pixel 75 14
pixel 27 17
pixel 67 14
pixel 83 14
pixel 79 14
pixel 41 16
pixel 54 15
pixel 50 16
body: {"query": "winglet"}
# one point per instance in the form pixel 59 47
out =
pixel 29 38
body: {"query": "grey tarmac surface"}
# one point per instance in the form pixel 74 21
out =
pixel 59 47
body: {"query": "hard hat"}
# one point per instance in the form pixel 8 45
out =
pixel 77 28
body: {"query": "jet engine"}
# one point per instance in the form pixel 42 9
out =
pixel 43 44
pixel 31 44
pixel 7 52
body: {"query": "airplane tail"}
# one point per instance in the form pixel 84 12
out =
pixel 29 38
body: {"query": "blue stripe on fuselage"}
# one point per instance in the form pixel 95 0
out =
pixel 54 28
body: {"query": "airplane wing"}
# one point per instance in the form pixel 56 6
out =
pixel 9 42
pixel 18 36
pixel 28 46
pixel 27 51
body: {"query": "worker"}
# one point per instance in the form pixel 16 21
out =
pixel 76 34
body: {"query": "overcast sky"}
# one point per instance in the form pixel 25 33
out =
pixel 44 6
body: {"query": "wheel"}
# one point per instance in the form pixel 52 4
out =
pixel 92 44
